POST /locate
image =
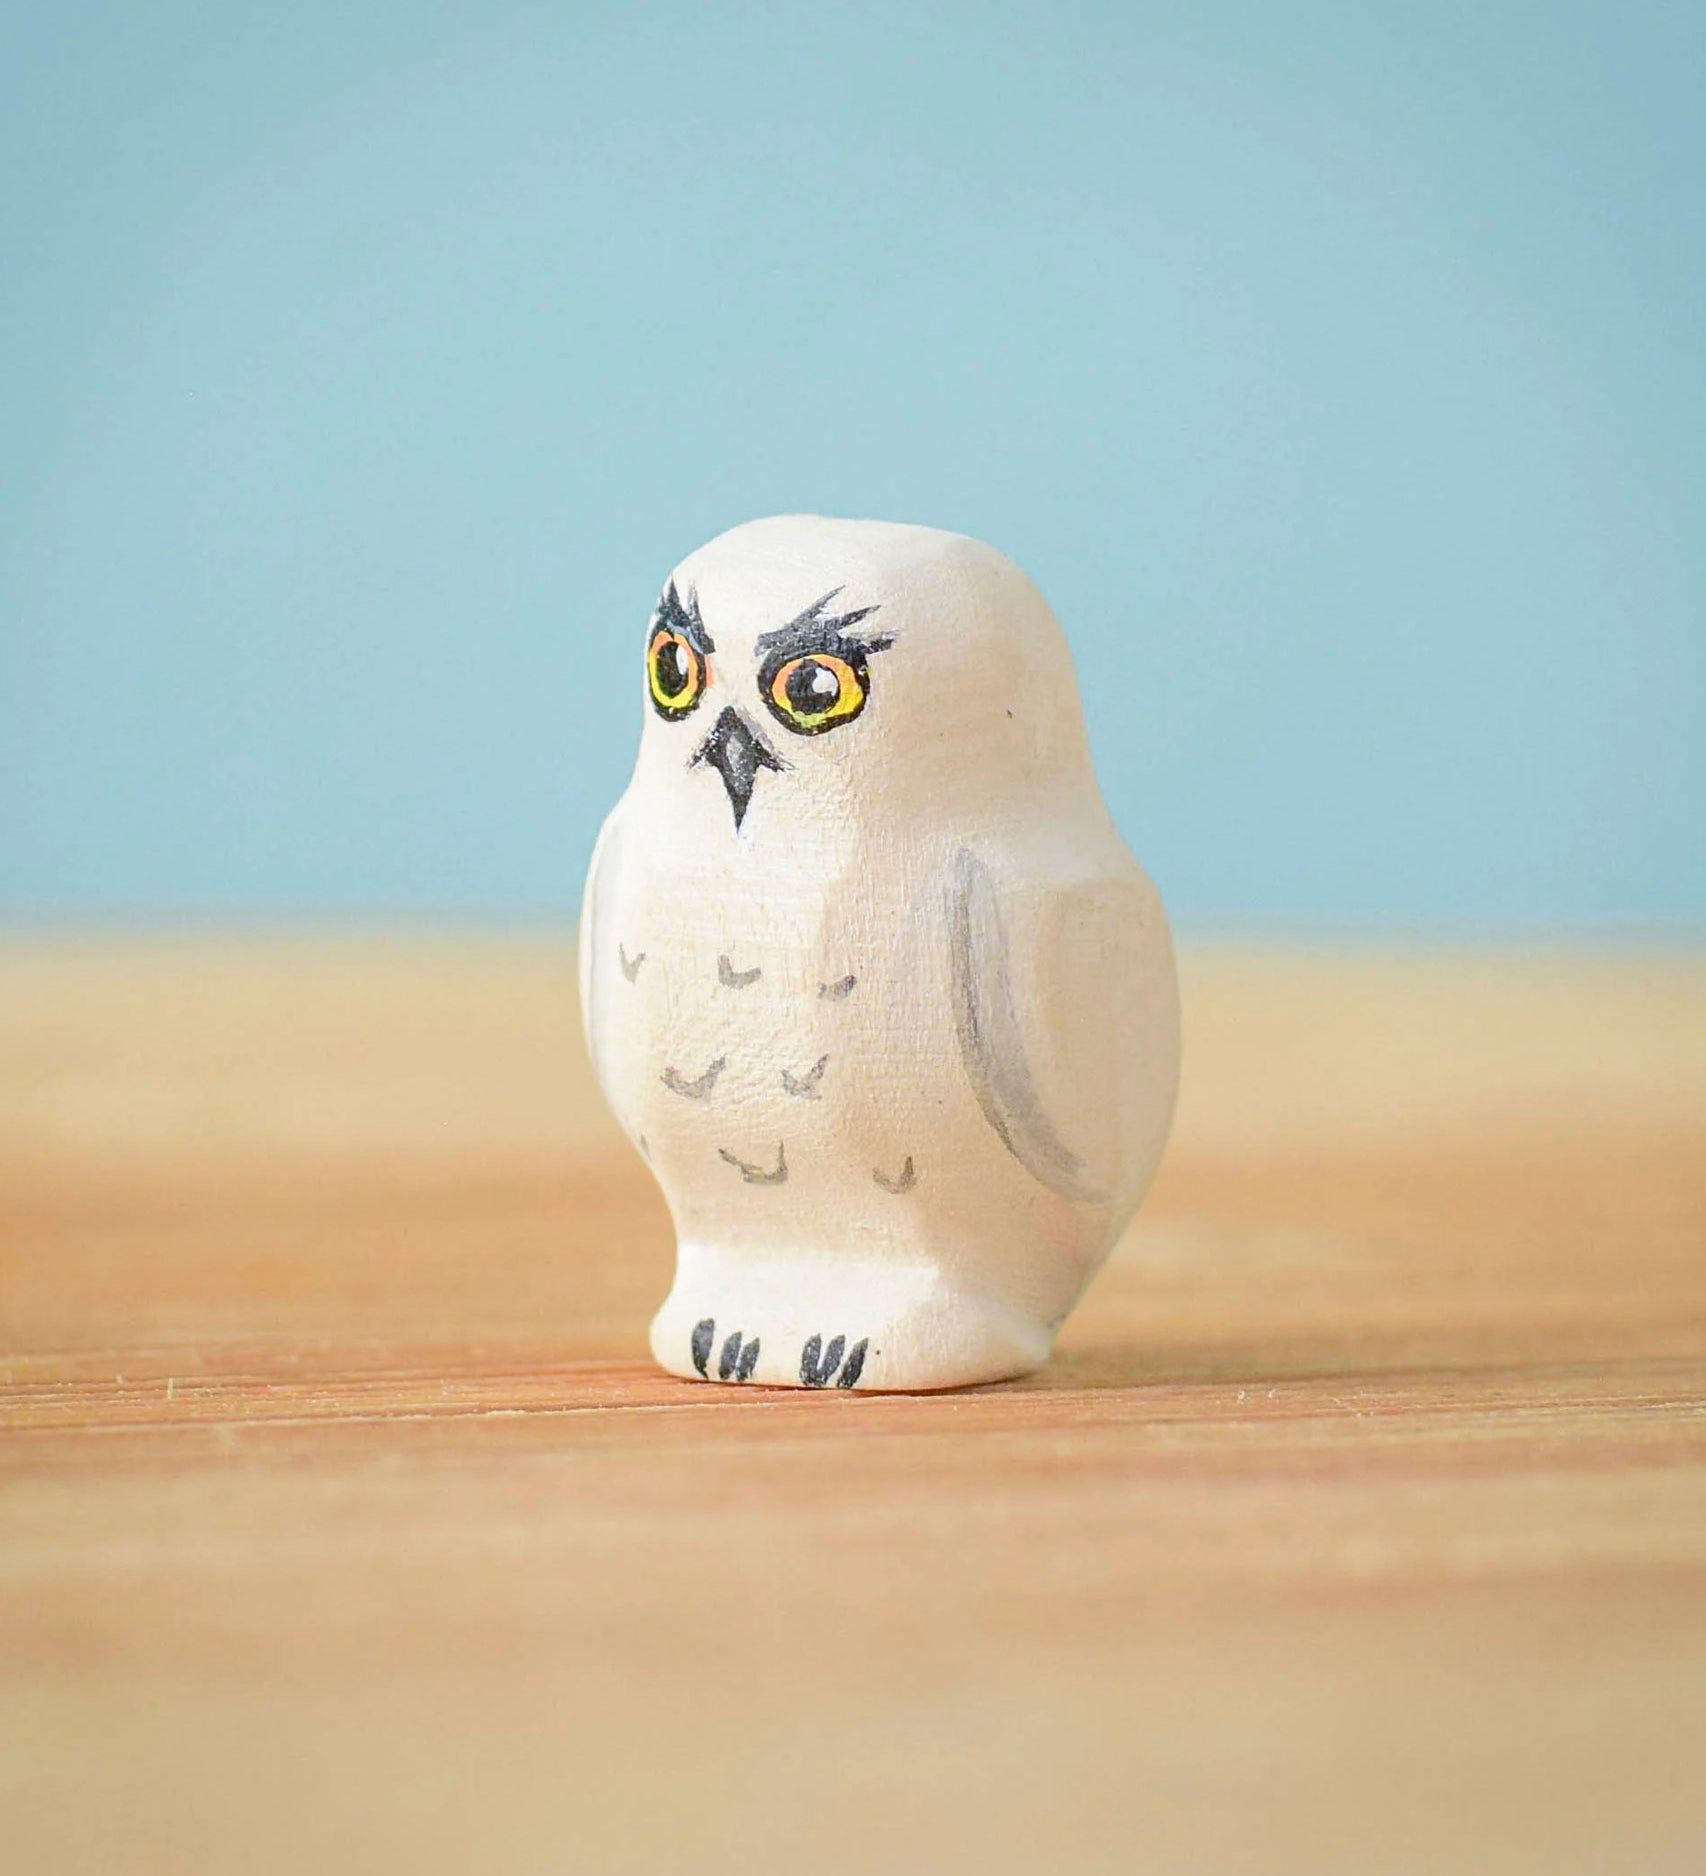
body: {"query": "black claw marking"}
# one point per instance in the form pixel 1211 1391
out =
pixel 737 1361
pixel 731 979
pixel 759 1175
pixel 804 1087
pixel 818 1364
pixel 703 1335
pixel 904 1181
pixel 834 993
pixel 697 1089
pixel 631 965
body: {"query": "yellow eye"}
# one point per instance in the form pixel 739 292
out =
pixel 676 673
pixel 818 692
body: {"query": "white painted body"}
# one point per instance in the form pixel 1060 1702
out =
pixel 904 1181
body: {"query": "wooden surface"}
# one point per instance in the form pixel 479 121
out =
pixel 1360 1524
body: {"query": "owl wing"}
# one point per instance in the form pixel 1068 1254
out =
pixel 1065 1011
pixel 597 946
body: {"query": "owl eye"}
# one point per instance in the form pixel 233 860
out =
pixel 676 673
pixel 818 692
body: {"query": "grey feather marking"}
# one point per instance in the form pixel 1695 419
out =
pixel 804 1087
pixel 992 1046
pixel 758 1175
pixel 836 993
pixel 731 979
pixel 630 965
pixel 700 1086
pixel 903 1181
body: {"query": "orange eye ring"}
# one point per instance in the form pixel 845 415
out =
pixel 676 673
pixel 815 692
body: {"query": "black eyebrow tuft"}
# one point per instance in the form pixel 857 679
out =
pixel 813 630
pixel 673 616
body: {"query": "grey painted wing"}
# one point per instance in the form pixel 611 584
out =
pixel 992 1043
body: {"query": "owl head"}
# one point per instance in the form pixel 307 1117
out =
pixel 802 668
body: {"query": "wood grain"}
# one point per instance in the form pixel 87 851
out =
pixel 1360 1523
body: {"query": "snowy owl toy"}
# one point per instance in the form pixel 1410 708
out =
pixel 868 975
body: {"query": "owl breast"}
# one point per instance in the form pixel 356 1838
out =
pixel 770 1032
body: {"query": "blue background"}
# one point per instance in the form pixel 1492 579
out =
pixel 1339 372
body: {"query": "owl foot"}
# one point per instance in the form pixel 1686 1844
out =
pixel 818 1364
pixel 735 1363
pixel 911 1328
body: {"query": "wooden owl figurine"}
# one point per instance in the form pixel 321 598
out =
pixel 868 975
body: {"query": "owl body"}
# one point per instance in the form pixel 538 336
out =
pixel 869 977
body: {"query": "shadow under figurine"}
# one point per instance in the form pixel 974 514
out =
pixel 868 974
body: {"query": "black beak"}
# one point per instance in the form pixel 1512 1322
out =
pixel 737 752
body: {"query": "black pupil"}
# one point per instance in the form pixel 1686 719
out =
pixel 813 688
pixel 673 668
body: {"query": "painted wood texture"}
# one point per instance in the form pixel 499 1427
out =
pixel 1358 1524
